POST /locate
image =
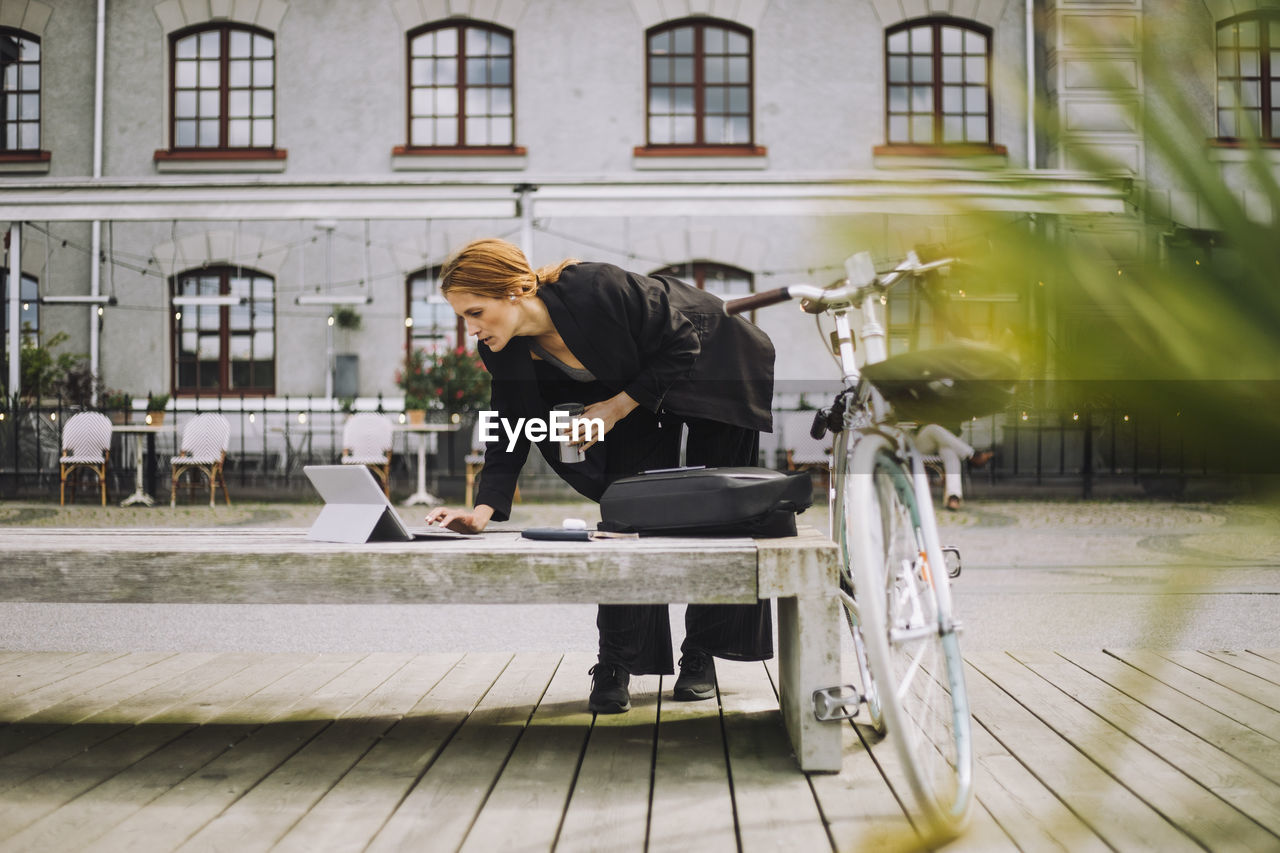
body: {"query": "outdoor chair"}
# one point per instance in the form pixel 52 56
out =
pixel 204 448
pixel 366 440
pixel 475 462
pixel 86 443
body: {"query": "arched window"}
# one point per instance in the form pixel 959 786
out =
pixel 721 279
pixel 222 89
pixel 28 310
pixel 433 325
pixel 224 331
pixel 20 106
pixel 700 77
pixel 1249 76
pixel 937 75
pixel 461 86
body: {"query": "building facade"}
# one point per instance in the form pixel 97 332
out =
pixel 254 196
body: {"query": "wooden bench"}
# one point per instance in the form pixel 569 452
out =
pixel 281 566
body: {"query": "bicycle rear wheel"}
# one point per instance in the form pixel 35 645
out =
pixel 911 642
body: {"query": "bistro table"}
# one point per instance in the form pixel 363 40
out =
pixel 139 495
pixel 425 433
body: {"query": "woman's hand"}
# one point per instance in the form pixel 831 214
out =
pixel 460 520
pixel 609 411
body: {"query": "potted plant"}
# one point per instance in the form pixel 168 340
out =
pixel 453 380
pixel 347 318
pixel 155 408
pixel 118 405
pixel 411 378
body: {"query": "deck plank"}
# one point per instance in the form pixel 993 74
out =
pixel 1242 709
pixel 269 710
pixel 609 809
pixel 692 800
pixel 775 805
pixel 16 708
pixel 1026 809
pixel 1245 683
pixel 1237 740
pixel 76 706
pixel 56 742
pixel 39 671
pixel 1272 655
pixel 358 805
pixel 1252 664
pixel 1116 814
pixel 439 811
pixel 1074 751
pixel 1211 796
pixel 527 804
pixel 265 813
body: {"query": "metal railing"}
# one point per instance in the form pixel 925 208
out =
pixel 1076 451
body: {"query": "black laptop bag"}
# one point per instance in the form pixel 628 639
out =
pixel 707 501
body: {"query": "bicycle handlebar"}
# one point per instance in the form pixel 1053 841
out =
pixel 818 299
pixel 757 300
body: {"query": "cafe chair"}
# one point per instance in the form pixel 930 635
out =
pixel 475 463
pixel 86 443
pixel 366 440
pixel 205 439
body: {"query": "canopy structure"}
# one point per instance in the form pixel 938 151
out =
pixel 492 197
pixel 479 196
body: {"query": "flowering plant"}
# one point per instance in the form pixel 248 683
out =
pixel 454 380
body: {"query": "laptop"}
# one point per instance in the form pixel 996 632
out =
pixel 356 510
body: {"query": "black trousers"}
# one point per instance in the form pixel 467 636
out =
pixel 637 637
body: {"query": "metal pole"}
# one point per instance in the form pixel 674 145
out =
pixel 524 209
pixel 95 231
pixel 328 289
pixel 15 301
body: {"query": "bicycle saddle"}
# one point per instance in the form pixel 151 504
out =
pixel 955 381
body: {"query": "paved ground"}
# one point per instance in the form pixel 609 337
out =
pixel 1038 574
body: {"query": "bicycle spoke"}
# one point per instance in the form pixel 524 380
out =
pixel 912 657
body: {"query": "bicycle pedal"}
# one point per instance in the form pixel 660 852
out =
pixel 951 557
pixel 836 703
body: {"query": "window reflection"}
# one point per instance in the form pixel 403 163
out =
pixel 221 66
pixel 225 348
pixel 461 86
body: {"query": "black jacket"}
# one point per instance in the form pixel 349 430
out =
pixel 670 346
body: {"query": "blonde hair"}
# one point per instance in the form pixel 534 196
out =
pixel 496 269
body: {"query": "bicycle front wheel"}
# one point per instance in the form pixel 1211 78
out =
pixel 911 642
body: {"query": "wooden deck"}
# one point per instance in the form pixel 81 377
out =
pixel 236 751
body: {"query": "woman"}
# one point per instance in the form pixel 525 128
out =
pixel 647 355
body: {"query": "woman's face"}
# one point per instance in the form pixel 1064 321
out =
pixel 491 321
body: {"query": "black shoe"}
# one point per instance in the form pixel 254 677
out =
pixel 697 676
pixel 609 694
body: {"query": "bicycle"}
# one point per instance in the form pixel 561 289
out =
pixel 898 609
